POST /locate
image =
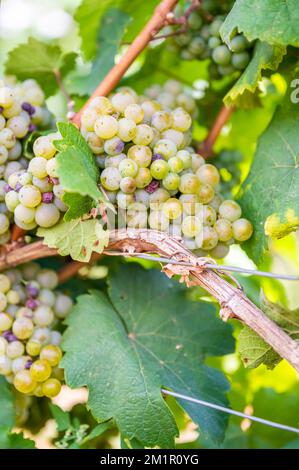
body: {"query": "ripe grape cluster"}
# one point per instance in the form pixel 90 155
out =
pixel 34 195
pixel 22 111
pixel 153 175
pixel 202 41
pixel 31 310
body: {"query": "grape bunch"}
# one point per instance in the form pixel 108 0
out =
pixel 22 111
pixel 31 310
pixel 202 41
pixel 153 176
pixel 34 195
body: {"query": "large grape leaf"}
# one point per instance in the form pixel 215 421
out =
pixel 148 334
pixel 272 21
pixel 265 56
pixel 254 350
pixel 16 441
pixel 111 31
pixel 90 13
pixel 39 60
pixel 77 238
pixel 270 193
pixel 77 171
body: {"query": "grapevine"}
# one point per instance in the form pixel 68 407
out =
pixel 176 145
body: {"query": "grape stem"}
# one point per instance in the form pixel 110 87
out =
pixel 233 301
pixel 70 103
pixel 205 148
pixel 158 20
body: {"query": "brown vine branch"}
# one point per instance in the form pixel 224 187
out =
pixel 153 26
pixel 232 300
pixel 205 148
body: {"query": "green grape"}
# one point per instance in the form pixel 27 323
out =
pixel 127 185
pixel 47 278
pixel 95 143
pixel 144 135
pixel 220 251
pixel 42 184
pixel 189 184
pixel 196 161
pixel 166 148
pixel 185 157
pixel 47 215
pixel 19 364
pixel 222 55
pixel 24 214
pixel 47 297
pixel 3 346
pixel 38 167
pixel 197 46
pixel 3 154
pixel 113 146
pixel 63 306
pixel 43 316
pixel 159 169
pixel 175 164
pixel 230 210
pixel 208 174
pixel 135 112
pixel 238 43
pixel 89 118
pixel 51 388
pixel 216 202
pixel 25 178
pixel 4 223
pixel 174 136
pixel 114 160
pixel 106 127
pixel 15 349
pixel 19 126
pixel 6 320
pixel 172 208
pixel 240 60
pixel 191 226
pixel 171 182
pixel 207 239
pixel 214 42
pixel 190 203
pixel 40 370
pixel 124 200
pixel 23 382
pixel 128 167
pixel 42 335
pixel 22 328
pixel 223 228
pixel 52 168
pixel 110 179
pixel 13 297
pixel 215 26
pixel 126 129
pixel 143 178
pixel 121 100
pixel 205 193
pixel 207 215
pixel 52 354
pixel 5 365
pixel 7 138
pixel 158 221
pixel 149 108
pixel 194 21
pixel 158 197
pixel 30 196
pixel 6 97
pixel 33 348
pixel 101 105
pixel 161 120
pixel 143 197
pixel 140 154
pixel 137 215
pixel 242 229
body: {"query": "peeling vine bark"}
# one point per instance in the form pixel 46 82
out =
pixel 233 301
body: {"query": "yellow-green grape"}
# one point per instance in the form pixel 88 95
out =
pixel 5 321
pixel 175 164
pixel 135 112
pixel 38 390
pixel 38 167
pixel 63 305
pixel 181 120
pixel 121 100
pixel 220 251
pixel 23 382
pixel 4 283
pixel 230 210
pixel 171 182
pixel 189 184
pixel 113 146
pixel 40 370
pixel 128 167
pixel 174 136
pixel 242 230
pixel 43 147
pixel 22 328
pixel 11 200
pixel 158 221
pixel 207 239
pixel 185 158
pixel 166 148
pixel 4 224
pixel 191 226
pixel 5 365
pixel 126 129
pixel 42 335
pixel 6 97
pixel 7 138
pixel 205 193
pixel 43 316
pixel 33 348
pixel 190 203
pixel 161 120
pixel 21 224
pixel 216 202
pixel 102 105
pixel 47 278
pixel 224 230
pixel 3 154
pixel 137 215
pixel 25 214
pixel 144 135
pixel 51 388
pixel 19 125
pixel 172 208
pixel 106 127
pixel 52 168
pixel 110 179
pixel 52 354
pixel 208 174
pixel 124 200
pixel 47 215
pixel 19 364
pixel 159 169
pixel 13 297
pixel 207 215
pixel 3 345
pixel 114 160
pixel 158 197
pixel 30 196
pixel 141 155
pixel 43 184
pixel 15 349
pixel 143 178
pixel 88 119
pixel 127 185
pixel 25 178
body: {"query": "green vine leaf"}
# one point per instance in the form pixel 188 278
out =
pixel 148 334
pixel 265 57
pixel 253 350
pixel 273 207
pixel 16 441
pixel 272 21
pixel 39 60
pixel 111 32
pixel 77 238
